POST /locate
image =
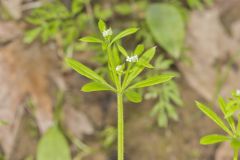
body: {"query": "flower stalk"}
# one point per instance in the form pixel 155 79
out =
pixel 120 126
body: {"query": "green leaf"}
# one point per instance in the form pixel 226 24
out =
pixel 153 81
pixel 195 4
pixel 147 65
pixel 212 139
pixel 45 35
pixel 124 33
pixel 115 56
pixel 229 119
pixel 122 50
pixel 53 145
pixel 96 86
pixel 84 70
pixel 76 6
pixel 139 49
pixel 172 112
pixel 123 8
pixel 167 27
pixel 3 123
pixel 144 59
pixel 231 111
pixel 102 12
pixel 212 115
pixel 31 35
pixel 101 25
pixel 133 96
pixel 91 39
pixel 162 118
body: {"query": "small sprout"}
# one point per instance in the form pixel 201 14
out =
pixel 229 108
pixel 107 33
pixel 132 59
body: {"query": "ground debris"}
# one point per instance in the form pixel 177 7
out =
pixel 24 72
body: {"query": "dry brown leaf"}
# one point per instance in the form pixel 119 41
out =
pixel 9 31
pixel 77 123
pixel 24 71
pixel 13 7
pixel 210 49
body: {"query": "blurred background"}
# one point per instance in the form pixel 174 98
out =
pixel 45 116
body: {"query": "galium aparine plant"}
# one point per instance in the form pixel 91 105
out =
pixel 230 110
pixel 123 69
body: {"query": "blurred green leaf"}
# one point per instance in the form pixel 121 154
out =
pixel 31 35
pixel 124 33
pixel 53 146
pixel 91 39
pixel 167 27
pixel 123 8
pixel 133 96
pixel 212 139
pixel 77 6
pixel 95 86
pixel 195 4
pixel 168 98
pixel 109 135
pixel 101 12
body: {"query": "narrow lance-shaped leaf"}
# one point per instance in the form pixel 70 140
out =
pixel 112 67
pixel 212 115
pixel 91 39
pixel 153 81
pixel 84 70
pixel 115 55
pixel 139 49
pixel 124 34
pixel 133 96
pixel 122 50
pixel 212 139
pixel 96 86
pixel 230 119
pixel 101 25
pixel 146 64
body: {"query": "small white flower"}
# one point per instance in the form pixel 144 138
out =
pixel 107 32
pixel 132 58
pixel 238 92
pixel 118 68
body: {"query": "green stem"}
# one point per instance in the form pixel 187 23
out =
pixel 235 154
pixel 120 127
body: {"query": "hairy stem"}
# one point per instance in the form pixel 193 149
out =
pixel 235 154
pixel 120 127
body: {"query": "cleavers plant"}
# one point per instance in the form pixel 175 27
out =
pixel 123 70
pixel 229 109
